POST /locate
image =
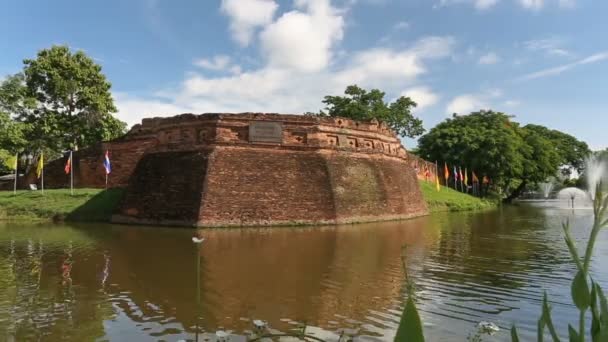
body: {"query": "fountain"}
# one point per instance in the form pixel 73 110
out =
pixel 546 188
pixel 595 171
pixel 575 198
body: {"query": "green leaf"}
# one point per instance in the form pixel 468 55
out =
pixel 546 320
pixel 580 291
pixel 541 328
pixel 574 337
pixel 595 316
pixel 410 327
pixel 571 245
pixel 603 307
pixel 514 337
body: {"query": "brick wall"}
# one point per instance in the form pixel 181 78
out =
pixel 166 189
pixel 247 186
pixel 207 170
pixel 258 186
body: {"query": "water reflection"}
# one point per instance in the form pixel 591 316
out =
pixel 130 283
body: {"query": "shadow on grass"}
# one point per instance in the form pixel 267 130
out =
pixel 99 208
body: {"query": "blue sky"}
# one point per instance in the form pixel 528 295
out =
pixel 544 61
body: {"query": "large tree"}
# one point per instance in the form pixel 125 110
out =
pixel 360 104
pixel 571 151
pixel 74 105
pixel 492 144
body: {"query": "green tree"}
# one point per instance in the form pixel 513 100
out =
pixel 74 105
pixel 491 144
pixel 360 104
pixel 13 101
pixel 571 151
pixel 486 142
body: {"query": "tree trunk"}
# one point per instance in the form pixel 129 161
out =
pixel 516 192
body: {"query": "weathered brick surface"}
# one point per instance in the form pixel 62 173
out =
pixel 166 189
pixel 258 186
pixel 206 170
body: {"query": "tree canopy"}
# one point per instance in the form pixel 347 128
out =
pixel 60 101
pixel 73 97
pixel 492 144
pixel 360 104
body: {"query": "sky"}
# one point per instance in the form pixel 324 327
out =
pixel 543 61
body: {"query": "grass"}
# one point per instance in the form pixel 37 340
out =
pixel 92 205
pixel 451 200
pixel 97 205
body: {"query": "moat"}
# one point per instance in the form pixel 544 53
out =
pixel 110 282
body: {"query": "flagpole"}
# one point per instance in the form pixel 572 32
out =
pixel 16 167
pixel 71 174
pixel 42 174
pixel 106 180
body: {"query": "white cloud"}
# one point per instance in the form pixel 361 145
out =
pixel 401 25
pixel 550 46
pixel 423 96
pixel 482 5
pixel 489 58
pixel 567 3
pixel 485 4
pixel 280 89
pixel 132 109
pixel 298 68
pixel 532 4
pixel 478 4
pixel 246 16
pixel 302 39
pixel 512 103
pixel 465 104
pixel 598 57
pixel 218 63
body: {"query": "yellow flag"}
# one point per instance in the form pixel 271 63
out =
pixel 437 182
pixel 40 165
pixel 11 162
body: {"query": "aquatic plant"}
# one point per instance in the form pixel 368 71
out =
pixel 586 293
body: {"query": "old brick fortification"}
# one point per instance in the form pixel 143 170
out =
pixel 253 169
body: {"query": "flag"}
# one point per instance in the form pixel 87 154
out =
pixel 475 179
pixel 437 182
pixel 460 175
pixel 11 162
pixel 455 173
pixel 485 180
pixel 427 172
pixel 68 164
pixel 466 177
pixel 40 165
pixel 106 163
pixel 446 172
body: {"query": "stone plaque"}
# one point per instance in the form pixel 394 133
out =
pixel 265 131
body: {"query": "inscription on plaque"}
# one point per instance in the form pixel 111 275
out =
pixel 270 132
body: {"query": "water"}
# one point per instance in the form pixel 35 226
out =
pixel 124 283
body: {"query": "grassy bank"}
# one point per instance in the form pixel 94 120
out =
pixel 93 205
pixel 96 205
pixel 450 200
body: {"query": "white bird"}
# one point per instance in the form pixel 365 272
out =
pixel 221 335
pixel 488 327
pixel 259 324
pixel 197 240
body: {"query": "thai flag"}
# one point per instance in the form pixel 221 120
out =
pixel 106 163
